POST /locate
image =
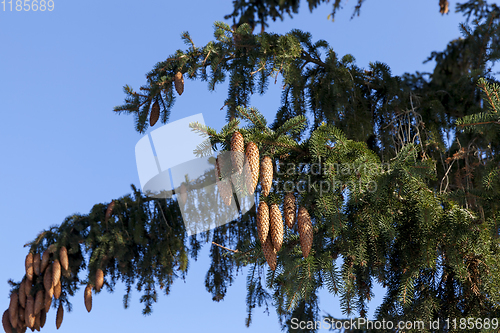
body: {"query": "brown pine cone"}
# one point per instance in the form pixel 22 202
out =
pixel 276 227
pixel 252 155
pixel 57 290
pixel 39 301
pixel 47 281
pixel 13 307
pixel 263 222
pixel 224 184
pixel 155 113
pixel 20 313
pixel 88 297
pixel 109 210
pixel 60 315
pixel 237 152
pixel 305 231
pixel 27 287
pixel 22 293
pixel 270 253
pixel 47 302
pixel 179 83
pixel 56 272
pixel 266 175
pixel 45 261
pixel 28 263
pixel 43 318
pixel 63 257
pixel 36 264
pixel 289 210
pixel 30 312
pixel 6 322
pixel 99 279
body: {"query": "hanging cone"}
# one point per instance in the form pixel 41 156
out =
pixel 270 253
pixel 289 210
pixel 39 301
pixel 179 83
pixel 21 327
pixel 252 155
pixel 13 307
pixel 88 297
pixel 63 257
pixel 276 226
pixel 58 290
pixel 43 318
pixel 443 6
pixel 27 287
pixel 30 312
pixel 6 322
pixel 237 151
pixel 109 210
pixel 47 302
pixel 263 222
pixel 28 263
pixel 47 282
pixel 37 322
pixel 266 175
pixel 20 314
pixel 45 261
pixel 155 114
pixel 36 263
pixel 224 185
pixel 99 279
pixel 56 272
pixel 60 315
pixel 305 231
pixel 22 293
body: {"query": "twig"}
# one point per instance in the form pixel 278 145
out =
pixel 225 248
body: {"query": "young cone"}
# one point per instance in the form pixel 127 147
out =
pixel 266 175
pixel 252 155
pixel 63 258
pixel 276 227
pixel 28 263
pixel 155 114
pixel 88 297
pixel 58 290
pixel 263 222
pixel 45 261
pixel 6 322
pixel 99 279
pixel 43 318
pixel 39 301
pixel 60 315
pixel 47 282
pixel 224 185
pixel 270 253
pixel 179 83
pixel 47 302
pixel 289 210
pixel 22 293
pixel 30 312
pixel 305 231
pixel 13 307
pixel 56 272
pixel 237 151
pixel 36 263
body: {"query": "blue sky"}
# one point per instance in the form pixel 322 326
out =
pixel 64 149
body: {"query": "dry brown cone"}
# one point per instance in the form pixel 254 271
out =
pixel 88 297
pixel 47 302
pixel 39 301
pixel 28 263
pixel 155 114
pixel 58 290
pixel 27 287
pixel 179 83
pixel 237 151
pixel 109 210
pixel 252 155
pixel 270 253
pixel 37 322
pixel 63 258
pixel 22 293
pixel 30 312
pixel 21 327
pixel 99 279
pixel 289 210
pixel 56 272
pixel 36 264
pixel 276 226
pixel 20 314
pixel 43 318
pixel 14 304
pixel 6 322
pixel 60 315
pixel 263 222
pixel 266 175
pixel 47 282
pixel 45 261
pixel 305 231
pixel 224 185
pixel 443 6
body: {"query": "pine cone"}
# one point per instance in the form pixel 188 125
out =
pixel 30 312
pixel 56 272
pixel 237 151
pixel 48 302
pixel 27 287
pixel 28 263
pixel 270 253
pixel 99 279
pixel 155 113
pixel 13 306
pixel 252 155
pixel 63 257
pixel 263 222
pixel 37 322
pixel 45 261
pixel 276 227
pixel 22 293
pixel 289 210
pixel 57 290
pixel 36 264
pixel 20 313
pixel 88 297
pixel 39 301
pixel 60 315
pixel 179 83
pixel 305 231
pixel 47 281
pixel 266 175
pixel 224 185
pixel 6 322
pixel 43 318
